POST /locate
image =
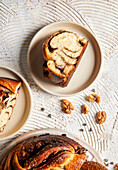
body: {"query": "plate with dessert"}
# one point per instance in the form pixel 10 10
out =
pixel 15 102
pixel 50 149
pixel 64 58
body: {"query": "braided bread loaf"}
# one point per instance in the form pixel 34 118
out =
pixel 62 52
pixel 47 152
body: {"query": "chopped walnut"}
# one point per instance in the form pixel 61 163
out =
pixel 67 106
pixel 116 167
pixel 93 98
pixel 85 109
pixel 101 117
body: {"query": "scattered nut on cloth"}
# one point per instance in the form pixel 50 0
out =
pixel 93 98
pixel 67 106
pixel 101 117
pixel 84 109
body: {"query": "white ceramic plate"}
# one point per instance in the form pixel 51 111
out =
pixel 87 70
pixel 23 104
pixel 93 155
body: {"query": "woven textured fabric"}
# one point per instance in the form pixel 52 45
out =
pixel 19 23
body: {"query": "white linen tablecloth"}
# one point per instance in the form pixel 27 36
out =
pixel 20 20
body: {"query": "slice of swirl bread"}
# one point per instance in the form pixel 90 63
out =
pixel 62 52
pixel 8 92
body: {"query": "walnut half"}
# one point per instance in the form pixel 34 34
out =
pixel 116 167
pixel 101 117
pixel 93 98
pixel 67 106
pixel 85 109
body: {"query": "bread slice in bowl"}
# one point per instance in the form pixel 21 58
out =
pixel 62 52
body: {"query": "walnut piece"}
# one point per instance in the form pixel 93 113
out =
pixel 85 109
pixel 101 117
pixel 67 106
pixel 116 167
pixel 93 98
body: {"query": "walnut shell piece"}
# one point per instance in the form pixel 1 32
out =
pixel 93 98
pixel 67 106
pixel 84 109
pixel 101 117
pixel 116 167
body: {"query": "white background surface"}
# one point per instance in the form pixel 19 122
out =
pixel 20 20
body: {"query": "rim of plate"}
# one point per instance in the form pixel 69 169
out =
pixel 101 58
pixel 30 94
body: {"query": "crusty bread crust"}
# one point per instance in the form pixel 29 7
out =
pixel 46 152
pixel 59 79
pixel 10 84
pixel 76 163
pixel 90 165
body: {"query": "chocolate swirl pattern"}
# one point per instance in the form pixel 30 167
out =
pixel 8 93
pixel 62 53
pixel 46 152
